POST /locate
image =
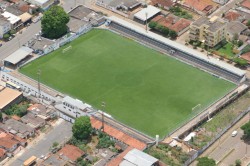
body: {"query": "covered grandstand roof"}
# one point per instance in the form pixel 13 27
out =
pixel 18 55
pixel 179 46
pixel 147 13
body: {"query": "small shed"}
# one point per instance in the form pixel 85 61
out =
pixel 146 14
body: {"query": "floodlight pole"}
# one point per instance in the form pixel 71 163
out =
pixel 146 14
pixel 103 107
pixel 38 82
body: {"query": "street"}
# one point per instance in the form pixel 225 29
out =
pixel 60 133
pixel 228 149
pixel 223 9
pixel 20 39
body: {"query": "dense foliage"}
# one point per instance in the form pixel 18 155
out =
pixel 246 129
pixel 104 141
pixel 205 161
pixel 19 110
pixel 82 128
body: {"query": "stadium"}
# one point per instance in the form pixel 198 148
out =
pixel 142 88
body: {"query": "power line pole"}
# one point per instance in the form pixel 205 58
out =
pixel 103 107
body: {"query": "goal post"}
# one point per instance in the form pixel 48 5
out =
pixel 67 49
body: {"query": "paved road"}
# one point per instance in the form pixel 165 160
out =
pixel 59 134
pixel 20 39
pixel 230 5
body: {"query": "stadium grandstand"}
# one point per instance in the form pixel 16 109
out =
pixel 179 51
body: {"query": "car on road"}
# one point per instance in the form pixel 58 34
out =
pixel 234 133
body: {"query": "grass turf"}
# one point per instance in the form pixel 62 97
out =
pixel 142 88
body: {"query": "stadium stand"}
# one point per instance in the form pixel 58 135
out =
pixel 177 50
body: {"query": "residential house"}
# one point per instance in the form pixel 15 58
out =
pixel 233 16
pixel 41 111
pixel 179 25
pixel 42 45
pixel 5 26
pixel 210 31
pixel 246 4
pixel 3 154
pixel 17 128
pixel 33 120
pixel 122 7
pixel 14 20
pixel 246 56
pixel 56 160
pixel 9 97
pixel 203 7
pixel 118 135
pixel 234 28
pixel 78 26
pixel 71 152
pixel 165 4
pixel 44 4
pixel 72 108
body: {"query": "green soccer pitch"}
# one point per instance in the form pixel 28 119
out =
pixel 141 87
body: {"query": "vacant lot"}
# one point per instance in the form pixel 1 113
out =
pixel 142 88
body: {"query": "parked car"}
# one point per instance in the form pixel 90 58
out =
pixel 234 133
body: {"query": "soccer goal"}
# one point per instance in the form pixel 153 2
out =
pixel 66 49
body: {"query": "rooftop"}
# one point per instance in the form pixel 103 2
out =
pixel 140 158
pixel 11 17
pixel 75 102
pixel 3 21
pixel 2 152
pixel 40 44
pixel 118 134
pixel 18 55
pixel 56 160
pixel 7 143
pixel 38 109
pixel 7 95
pixel 235 27
pixel 232 15
pixel 118 159
pixel 72 152
pixel 147 13
pixel 14 9
pixel 126 3
pixel 201 5
pixel 246 56
pixel 246 4
pixel 80 12
pixel 213 23
pixel 25 17
pixel 75 24
pixel 164 3
pixel 18 127
pixel 32 120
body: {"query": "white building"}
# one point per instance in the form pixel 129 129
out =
pixel 44 4
pixel 146 14
pixel 14 20
pixel 5 26
pixel 71 108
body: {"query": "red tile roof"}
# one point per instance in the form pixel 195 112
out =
pixel 246 56
pixel 232 16
pixel 2 152
pixel 118 159
pixel 172 22
pixel 163 3
pixel 72 152
pixel 246 4
pixel 24 8
pixel 15 117
pixel 7 143
pixel 113 132
pixel 200 5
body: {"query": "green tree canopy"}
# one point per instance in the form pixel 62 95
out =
pixel 248 23
pixel 152 24
pixel 172 34
pixel 82 128
pixel 240 62
pixel 246 129
pixel 54 22
pixel 1 116
pixel 205 161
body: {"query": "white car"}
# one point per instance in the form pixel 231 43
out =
pixel 234 133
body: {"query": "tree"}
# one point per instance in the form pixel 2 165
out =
pixel 205 161
pixel 82 128
pixel 240 62
pixel 237 162
pixel 248 23
pixel 240 43
pixel 152 24
pixel 246 129
pixel 172 34
pixel 12 31
pixel 54 22
pixel 55 144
